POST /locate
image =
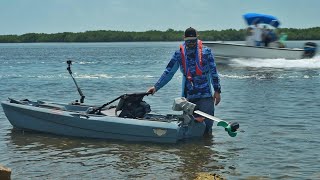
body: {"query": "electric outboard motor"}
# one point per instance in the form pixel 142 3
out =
pixel 310 49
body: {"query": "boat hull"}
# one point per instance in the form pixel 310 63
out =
pixel 78 124
pixel 231 50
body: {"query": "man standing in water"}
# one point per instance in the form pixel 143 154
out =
pixel 199 71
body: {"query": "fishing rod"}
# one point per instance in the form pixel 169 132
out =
pixel 69 62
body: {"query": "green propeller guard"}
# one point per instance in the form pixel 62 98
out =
pixel 227 127
pixel 223 124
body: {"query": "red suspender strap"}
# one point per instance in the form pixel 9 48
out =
pixel 199 64
pixel 183 58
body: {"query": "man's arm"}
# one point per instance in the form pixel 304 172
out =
pixel 169 72
pixel 214 76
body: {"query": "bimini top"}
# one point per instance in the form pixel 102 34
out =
pixel 252 18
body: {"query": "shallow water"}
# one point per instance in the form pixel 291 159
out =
pixel 276 102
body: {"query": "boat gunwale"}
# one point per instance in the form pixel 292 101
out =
pixel 173 125
pixel 46 109
pixel 259 47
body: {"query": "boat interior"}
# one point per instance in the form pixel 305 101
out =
pixel 110 111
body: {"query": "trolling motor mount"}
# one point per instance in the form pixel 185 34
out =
pixel 181 104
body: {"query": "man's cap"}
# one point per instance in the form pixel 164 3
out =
pixel 190 34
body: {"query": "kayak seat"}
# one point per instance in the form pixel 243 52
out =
pixel 132 106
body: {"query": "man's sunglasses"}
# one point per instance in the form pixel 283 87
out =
pixel 191 41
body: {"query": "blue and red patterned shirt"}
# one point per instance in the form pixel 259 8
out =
pixel 193 85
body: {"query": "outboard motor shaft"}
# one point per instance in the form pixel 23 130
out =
pixel 310 49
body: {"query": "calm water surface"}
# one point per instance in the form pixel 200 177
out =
pixel 276 102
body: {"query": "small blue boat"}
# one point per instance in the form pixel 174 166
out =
pixel 129 120
pixel 133 123
pixel 81 121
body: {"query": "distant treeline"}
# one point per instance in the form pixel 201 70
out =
pixel 153 35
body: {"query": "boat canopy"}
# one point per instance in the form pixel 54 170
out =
pixel 253 18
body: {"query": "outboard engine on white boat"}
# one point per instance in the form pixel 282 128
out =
pixel 310 49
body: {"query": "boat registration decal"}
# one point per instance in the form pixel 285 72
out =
pixel 160 132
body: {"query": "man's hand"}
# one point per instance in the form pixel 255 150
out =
pixel 152 90
pixel 216 98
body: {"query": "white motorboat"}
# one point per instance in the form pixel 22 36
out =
pixel 223 50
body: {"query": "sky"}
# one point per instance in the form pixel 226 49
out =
pixel 54 16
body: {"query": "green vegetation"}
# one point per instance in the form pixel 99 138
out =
pixel 153 35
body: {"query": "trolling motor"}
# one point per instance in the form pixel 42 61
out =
pixel 69 62
pixel 188 108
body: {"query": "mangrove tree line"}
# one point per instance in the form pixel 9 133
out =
pixel 152 35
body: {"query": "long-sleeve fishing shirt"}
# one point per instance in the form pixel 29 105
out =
pixel 200 85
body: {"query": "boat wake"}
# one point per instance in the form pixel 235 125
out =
pixel 313 63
